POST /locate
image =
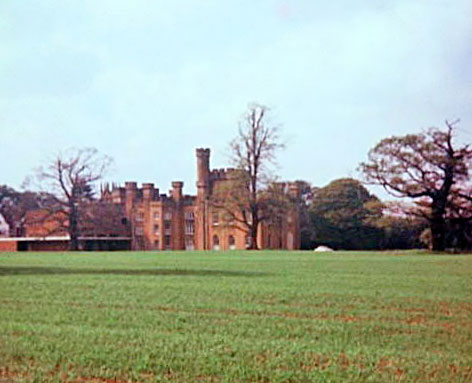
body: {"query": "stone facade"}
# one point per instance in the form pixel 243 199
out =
pixel 183 222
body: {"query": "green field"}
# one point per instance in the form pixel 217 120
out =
pixel 235 317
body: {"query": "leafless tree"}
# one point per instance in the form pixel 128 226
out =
pixel 69 178
pixel 253 196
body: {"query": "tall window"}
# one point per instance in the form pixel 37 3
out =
pixel 189 244
pixel 231 242
pixel 156 229
pixel 157 216
pixel 167 227
pixel 140 216
pixel 215 219
pixel 189 228
pixel 216 242
pixel 168 215
pixel 167 243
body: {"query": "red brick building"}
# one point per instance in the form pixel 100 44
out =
pixel 144 219
pixel 183 222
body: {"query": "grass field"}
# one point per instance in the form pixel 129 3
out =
pixel 235 317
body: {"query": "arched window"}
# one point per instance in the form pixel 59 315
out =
pixel 216 242
pixel 231 242
pixel 290 241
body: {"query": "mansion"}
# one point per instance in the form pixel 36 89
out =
pixel 143 218
pixel 185 222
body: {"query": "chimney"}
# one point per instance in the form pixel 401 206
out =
pixel 148 192
pixel 177 190
pixel 131 189
pixel 130 196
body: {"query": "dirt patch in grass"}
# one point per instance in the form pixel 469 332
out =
pixel 8 375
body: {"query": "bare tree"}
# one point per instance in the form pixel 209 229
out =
pixel 69 178
pixel 253 197
pixel 429 168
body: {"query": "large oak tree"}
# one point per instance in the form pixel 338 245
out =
pixel 429 167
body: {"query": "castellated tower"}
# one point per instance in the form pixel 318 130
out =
pixel 203 172
pixel 203 194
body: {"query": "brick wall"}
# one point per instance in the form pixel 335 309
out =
pixel 8 245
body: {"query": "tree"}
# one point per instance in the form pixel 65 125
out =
pixel 14 205
pixel 254 196
pixel 69 178
pixel 401 229
pixel 303 204
pixel 344 216
pixel 428 168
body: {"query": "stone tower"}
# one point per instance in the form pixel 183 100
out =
pixel 203 194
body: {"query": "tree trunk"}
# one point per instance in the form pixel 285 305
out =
pixel 438 227
pixel 73 228
pixel 254 228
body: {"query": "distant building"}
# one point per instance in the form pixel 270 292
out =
pixel 4 227
pixel 183 222
pixel 144 219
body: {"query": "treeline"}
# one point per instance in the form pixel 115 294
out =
pixel 428 170
pixel 345 215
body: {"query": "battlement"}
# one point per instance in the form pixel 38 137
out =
pixel 202 152
pixel 222 174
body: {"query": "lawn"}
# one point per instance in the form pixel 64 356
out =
pixel 235 317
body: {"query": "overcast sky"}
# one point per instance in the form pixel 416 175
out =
pixel 148 81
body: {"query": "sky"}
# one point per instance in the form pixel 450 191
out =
pixel 148 81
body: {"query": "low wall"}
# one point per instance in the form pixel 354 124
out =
pixel 57 244
pixel 8 245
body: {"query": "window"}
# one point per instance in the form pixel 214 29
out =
pixel 189 227
pixel 189 216
pixel 156 229
pixel 157 216
pixel 168 216
pixel 167 242
pixel 156 244
pixel 167 227
pixel 189 244
pixel 231 242
pixel 289 241
pixel 216 242
pixel 215 219
pixel 139 230
pixel 140 216
pixel 230 219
